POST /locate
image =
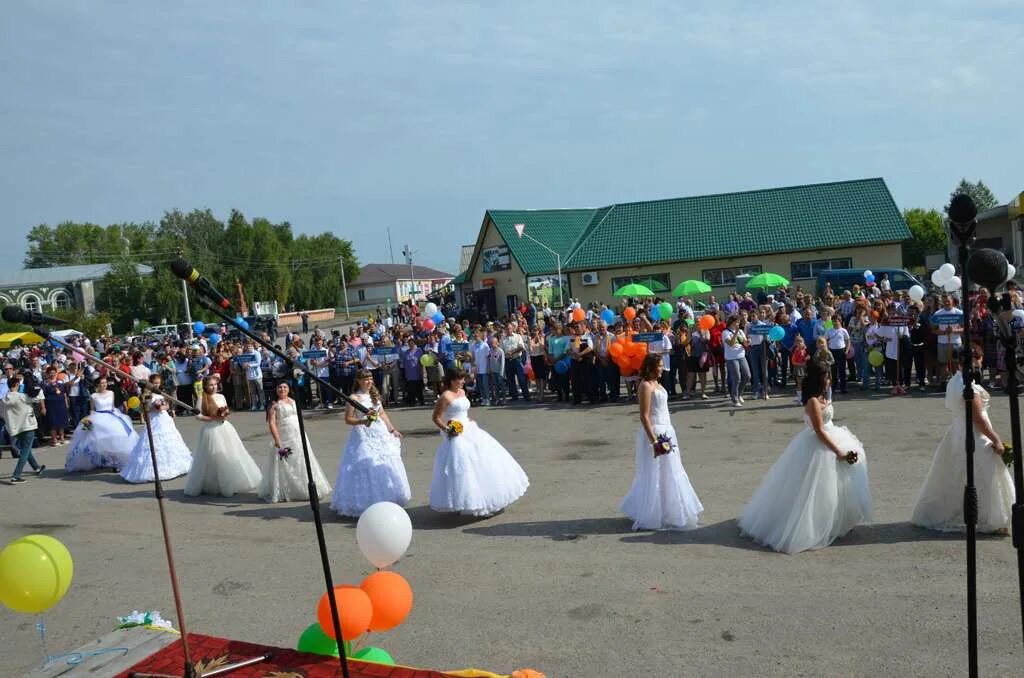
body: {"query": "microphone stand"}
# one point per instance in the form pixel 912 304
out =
pixel 314 499
pixel 190 669
pixel 964 234
pixel 1008 328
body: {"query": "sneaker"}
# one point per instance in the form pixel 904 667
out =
pixel 329 406
pixel 17 480
pixel 39 471
pixel 741 400
pixel 703 396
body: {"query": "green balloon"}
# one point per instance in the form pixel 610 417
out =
pixel 374 654
pixel 665 309
pixel 876 358
pixel 828 324
pixel 314 641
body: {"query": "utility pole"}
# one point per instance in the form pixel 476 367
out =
pixel 344 286
pixel 412 275
pixel 188 311
pixel 390 248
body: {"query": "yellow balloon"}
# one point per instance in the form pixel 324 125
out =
pixel 35 573
pixel 133 402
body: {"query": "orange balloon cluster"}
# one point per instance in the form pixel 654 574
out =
pixel 627 354
pixel 380 603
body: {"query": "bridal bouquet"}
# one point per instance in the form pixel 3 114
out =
pixel 222 411
pixel 454 428
pixel 371 417
pixel 87 424
pixel 851 457
pixel 1008 455
pixel 663 445
pixel 284 452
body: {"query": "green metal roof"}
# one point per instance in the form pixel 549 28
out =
pixel 461 278
pixel 817 216
pixel 560 230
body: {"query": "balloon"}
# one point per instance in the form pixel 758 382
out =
pixel 35 573
pixel 391 597
pixel 314 641
pixel 384 533
pixel 869 278
pixel 1011 271
pixel 562 366
pixel 615 349
pixel 665 309
pixel 579 315
pixel 948 271
pixel 374 654
pixel 430 309
pixel 199 327
pixel 629 313
pixel 937 277
pixel 916 293
pixel 427 360
pixel 876 358
pixel 868 275
pixel 133 403
pixel 655 313
pixel 438 318
pixel 706 322
pixel 354 611
pixel 828 325
pixel 953 284
pixel 608 316
pixel 214 339
pixel 529 372
pixel 776 333
pixel 242 323
pixel 428 324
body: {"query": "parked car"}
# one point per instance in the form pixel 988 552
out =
pixel 159 331
pixel 845 278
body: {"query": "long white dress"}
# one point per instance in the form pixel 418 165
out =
pixel 940 501
pixel 371 468
pixel 221 464
pixel 661 495
pixel 108 444
pixel 810 497
pixel 286 479
pixel 473 473
pixel 172 454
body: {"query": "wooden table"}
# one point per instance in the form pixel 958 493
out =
pixel 139 641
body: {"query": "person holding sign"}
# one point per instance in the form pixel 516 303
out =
pixel 947 324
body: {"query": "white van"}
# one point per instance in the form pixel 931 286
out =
pixel 159 331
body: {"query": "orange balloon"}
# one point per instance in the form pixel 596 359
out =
pixel 579 315
pixel 706 322
pixel 615 350
pixel 354 612
pixel 629 313
pixel 391 597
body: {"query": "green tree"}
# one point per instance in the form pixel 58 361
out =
pixel 983 198
pixel 123 294
pixel 928 235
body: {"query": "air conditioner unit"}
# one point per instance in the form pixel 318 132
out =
pixel 590 278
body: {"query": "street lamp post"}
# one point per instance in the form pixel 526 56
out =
pixel 520 230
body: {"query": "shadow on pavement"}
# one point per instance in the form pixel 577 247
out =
pixel 556 530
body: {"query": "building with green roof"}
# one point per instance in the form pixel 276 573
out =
pixel 795 231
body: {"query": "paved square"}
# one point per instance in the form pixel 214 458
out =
pixel 557 582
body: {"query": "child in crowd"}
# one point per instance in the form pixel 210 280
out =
pixel 799 358
pixel 496 372
pixel 824 359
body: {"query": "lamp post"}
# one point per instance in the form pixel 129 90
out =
pixel 520 231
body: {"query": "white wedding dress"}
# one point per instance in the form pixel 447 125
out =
pixel 108 444
pixel 172 454
pixel 371 468
pixel 286 479
pixel 661 495
pixel 940 503
pixel 473 473
pixel 810 497
pixel 221 465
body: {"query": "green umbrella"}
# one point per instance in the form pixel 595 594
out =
pixel 763 281
pixel 634 290
pixel 689 288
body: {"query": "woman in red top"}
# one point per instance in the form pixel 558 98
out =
pixel 716 359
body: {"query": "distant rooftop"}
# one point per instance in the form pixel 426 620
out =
pixel 388 273
pixel 56 275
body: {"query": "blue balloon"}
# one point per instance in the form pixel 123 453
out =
pixel 608 316
pixel 776 333
pixel 562 366
pixel 214 338
pixel 870 278
pixel 199 327
pixel 438 318
pixel 242 323
pixel 655 314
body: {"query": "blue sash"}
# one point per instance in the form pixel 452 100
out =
pixel 127 427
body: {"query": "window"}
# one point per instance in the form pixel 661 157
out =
pixel 30 302
pixel 362 295
pixel 61 301
pixel 811 269
pixel 659 283
pixel 727 276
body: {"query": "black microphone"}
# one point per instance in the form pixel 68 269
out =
pixel 987 267
pixel 962 209
pixel 184 270
pixel 17 314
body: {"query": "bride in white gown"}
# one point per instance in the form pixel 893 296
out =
pixel 661 495
pixel 940 502
pixel 473 473
pixel 221 464
pixel 818 489
pixel 172 454
pixel 284 477
pixel 104 439
pixel 371 468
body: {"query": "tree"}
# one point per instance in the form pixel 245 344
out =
pixel 928 235
pixel 983 198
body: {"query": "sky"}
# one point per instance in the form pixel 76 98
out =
pixel 359 117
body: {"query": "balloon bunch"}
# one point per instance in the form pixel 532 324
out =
pixel 212 335
pixel 627 354
pixel 662 311
pixel 380 602
pixel 869 278
pixel 945 277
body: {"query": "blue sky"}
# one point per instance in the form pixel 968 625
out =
pixel 418 116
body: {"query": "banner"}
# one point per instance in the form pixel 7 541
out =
pixel 648 337
pixel 385 350
pixel 948 319
pixel 314 354
pixel 460 346
pixel 897 321
pixel 761 329
pixel 245 358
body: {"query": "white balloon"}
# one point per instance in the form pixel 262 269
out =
pixel 916 293
pixel 1011 271
pixel 384 533
pixel 948 271
pixel 867 273
pixel 952 285
pixel 430 310
pixel 937 278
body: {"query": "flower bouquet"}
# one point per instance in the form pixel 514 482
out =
pixel 222 412
pixel 454 428
pixel 1008 455
pixel 371 417
pixel 851 457
pixel 663 445
pixel 283 453
pixel 87 424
